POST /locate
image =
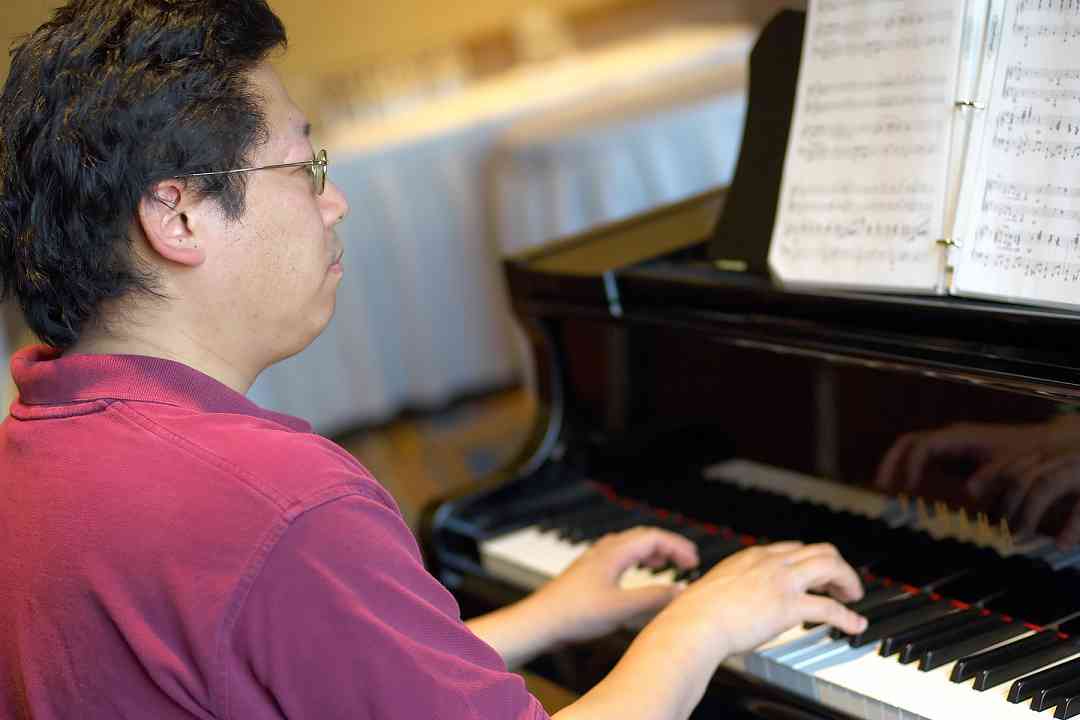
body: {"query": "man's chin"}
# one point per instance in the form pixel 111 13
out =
pixel 316 328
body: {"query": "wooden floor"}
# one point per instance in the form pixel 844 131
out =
pixel 423 457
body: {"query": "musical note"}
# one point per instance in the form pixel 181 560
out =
pixel 887 82
pixel 1051 95
pixel 830 254
pixel 1046 21
pixel 814 152
pixel 1060 7
pixel 1064 33
pixel 1028 191
pixel 890 24
pixel 1026 146
pixel 1027 119
pixel 848 205
pixel 826 7
pixel 903 187
pixel 1026 241
pixel 874 128
pixel 1017 268
pixel 940 99
pixel 862 228
pixel 873 47
pixel 1020 213
pixel 864 172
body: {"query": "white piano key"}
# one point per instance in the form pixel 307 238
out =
pixel 528 556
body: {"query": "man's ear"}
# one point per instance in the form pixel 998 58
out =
pixel 164 222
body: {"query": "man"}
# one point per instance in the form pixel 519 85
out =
pixel 170 549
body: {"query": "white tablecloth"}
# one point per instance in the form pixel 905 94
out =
pixel 563 171
pixel 421 315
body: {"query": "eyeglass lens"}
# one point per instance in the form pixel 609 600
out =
pixel 318 169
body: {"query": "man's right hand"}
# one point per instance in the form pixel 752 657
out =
pixel 762 591
pixel 745 600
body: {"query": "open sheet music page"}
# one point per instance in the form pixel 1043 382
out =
pixel 863 198
pixel 1022 231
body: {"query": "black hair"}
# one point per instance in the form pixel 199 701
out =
pixel 103 101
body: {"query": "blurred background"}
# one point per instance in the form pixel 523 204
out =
pixel 461 132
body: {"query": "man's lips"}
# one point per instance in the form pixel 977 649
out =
pixel 337 259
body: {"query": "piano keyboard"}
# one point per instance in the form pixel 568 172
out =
pixel 951 632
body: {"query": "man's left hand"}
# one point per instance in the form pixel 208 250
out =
pixel 586 600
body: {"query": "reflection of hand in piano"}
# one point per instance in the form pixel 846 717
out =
pixel 1021 472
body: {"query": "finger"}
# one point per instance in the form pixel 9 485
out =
pixel 990 475
pixel 830 573
pixel 659 560
pixel 818 609
pixel 629 548
pixel 807 552
pixel 1049 483
pixel 916 463
pixel 1019 486
pixel 955 440
pixel 887 476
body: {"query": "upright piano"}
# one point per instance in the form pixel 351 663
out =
pixel 734 410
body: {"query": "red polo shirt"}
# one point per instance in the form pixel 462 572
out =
pixel 170 550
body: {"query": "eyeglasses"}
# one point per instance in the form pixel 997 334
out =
pixel 317 164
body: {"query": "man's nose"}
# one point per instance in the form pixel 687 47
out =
pixel 336 201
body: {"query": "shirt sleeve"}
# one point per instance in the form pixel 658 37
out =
pixel 343 621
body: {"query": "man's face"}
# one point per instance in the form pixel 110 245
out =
pixel 274 271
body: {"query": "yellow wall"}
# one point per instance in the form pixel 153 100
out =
pixel 332 34
pixel 18 17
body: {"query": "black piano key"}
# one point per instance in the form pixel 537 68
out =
pixel 720 547
pixel 994 676
pixel 900 623
pixel 969 666
pixel 896 642
pixel 1048 697
pixel 888 610
pixel 697 535
pixel 877 596
pixel 1032 685
pixel 1069 707
pixel 708 558
pixel 988 635
pixel 917 649
pixel 590 527
pixel 876 593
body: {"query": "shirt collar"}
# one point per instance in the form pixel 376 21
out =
pixel 45 377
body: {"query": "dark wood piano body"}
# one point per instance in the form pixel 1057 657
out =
pixel 650 363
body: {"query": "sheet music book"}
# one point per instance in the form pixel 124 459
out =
pixel 935 147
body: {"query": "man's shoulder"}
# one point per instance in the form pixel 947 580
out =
pixel 293 469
